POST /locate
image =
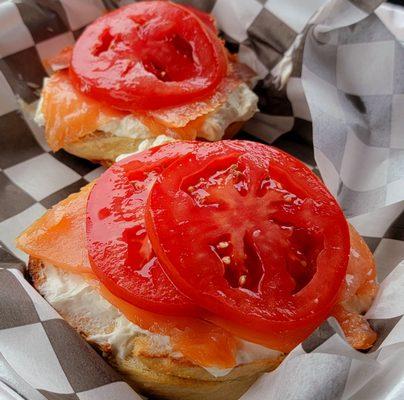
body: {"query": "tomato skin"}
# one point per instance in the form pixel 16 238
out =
pixel 118 247
pixel 206 18
pixel 269 308
pixel 129 57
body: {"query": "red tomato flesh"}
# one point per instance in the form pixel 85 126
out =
pixel 149 55
pixel 206 18
pixel 250 234
pixel 118 246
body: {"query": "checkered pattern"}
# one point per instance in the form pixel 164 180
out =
pixel 324 366
pixel 41 357
pixel 354 87
pixel 357 130
pixel 31 177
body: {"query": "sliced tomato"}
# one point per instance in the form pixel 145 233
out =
pixel 206 18
pixel 148 55
pixel 118 246
pixel 259 241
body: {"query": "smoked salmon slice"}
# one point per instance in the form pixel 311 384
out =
pixel 70 115
pixel 181 116
pixel 357 294
pixel 199 341
pixel 59 236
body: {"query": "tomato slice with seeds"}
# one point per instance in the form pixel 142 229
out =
pixel 149 55
pixel 259 241
pixel 118 246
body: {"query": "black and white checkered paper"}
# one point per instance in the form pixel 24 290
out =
pixel 331 73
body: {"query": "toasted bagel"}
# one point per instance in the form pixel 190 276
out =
pixel 103 148
pixel 149 369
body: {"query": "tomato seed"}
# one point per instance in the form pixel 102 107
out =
pixel 242 280
pixel 226 260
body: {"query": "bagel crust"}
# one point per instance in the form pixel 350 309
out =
pixel 104 148
pixel 150 371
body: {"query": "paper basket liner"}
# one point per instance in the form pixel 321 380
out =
pixel 331 93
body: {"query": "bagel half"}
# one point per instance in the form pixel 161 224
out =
pixel 148 367
pixel 104 148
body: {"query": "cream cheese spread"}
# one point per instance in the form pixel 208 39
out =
pixel 241 105
pixel 72 295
